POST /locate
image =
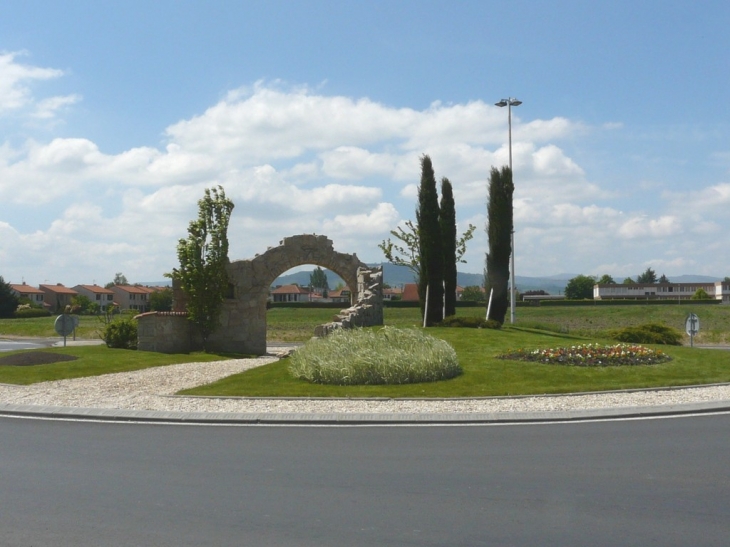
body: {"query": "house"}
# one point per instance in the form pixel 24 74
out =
pixel 131 297
pixel 57 297
pixel 99 295
pixel 342 296
pixel 34 296
pixel 719 290
pixel 290 293
pixel 410 293
pixel 392 293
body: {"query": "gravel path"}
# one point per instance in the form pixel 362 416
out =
pixel 150 389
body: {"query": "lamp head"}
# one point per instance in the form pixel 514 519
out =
pixel 501 103
pixel 515 102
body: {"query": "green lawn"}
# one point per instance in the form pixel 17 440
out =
pixel 485 375
pixel 93 361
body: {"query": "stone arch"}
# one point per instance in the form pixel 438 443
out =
pixel 243 319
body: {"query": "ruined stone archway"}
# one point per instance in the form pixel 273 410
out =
pixel 243 319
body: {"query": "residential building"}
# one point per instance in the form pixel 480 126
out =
pixel 394 293
pixel 290 293
pixel 719 290
pixel 57 297
pixel 99 295
pixel 131 297
pixel 342 296
pixel 34 295
pixel 410 293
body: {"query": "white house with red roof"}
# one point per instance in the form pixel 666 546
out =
pixel 291 293
pixel 99 295
pixel 57 297
pixel 33 294
pixel 131 297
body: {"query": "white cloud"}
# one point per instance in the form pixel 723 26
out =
pixel 47 108
pixel 298 161
pixel 15 79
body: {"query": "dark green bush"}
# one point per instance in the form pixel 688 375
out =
pixel 648 333
pixel 31 312
pixel 121 334
pixel 470 322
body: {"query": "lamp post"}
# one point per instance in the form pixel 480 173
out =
pixel 509 103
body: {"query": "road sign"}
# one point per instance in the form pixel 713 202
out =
pixel 65 325
pixel 692 324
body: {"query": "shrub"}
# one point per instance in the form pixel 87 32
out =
pixel 25 313
pixel 121 334
pixel 470 322
pixel 648 333
pixel 375 356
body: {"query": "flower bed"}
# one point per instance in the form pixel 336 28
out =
pixel 591 355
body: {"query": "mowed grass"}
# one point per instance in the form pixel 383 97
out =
pixel 486 375
pixel 94 361
pixel 89 327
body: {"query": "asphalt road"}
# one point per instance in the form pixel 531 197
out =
pixel 652 482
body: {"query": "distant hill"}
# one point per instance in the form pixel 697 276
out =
pixel 397 276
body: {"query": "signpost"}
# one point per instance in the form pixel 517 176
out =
pixel 65 324
pixel 692 326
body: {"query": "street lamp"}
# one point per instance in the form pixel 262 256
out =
pixel 509 103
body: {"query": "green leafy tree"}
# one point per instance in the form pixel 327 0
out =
pixel 161 300
pixel 649 276
pixel 203 258
pixel 700 294
pixel 726 280
pixel 606 280
pixel 80 304
pixel 8 299
pixel 407 252
pixel 580 288
pixel 119 279
pixel 473 293
pixel 664 279
pixel 447 221
pixel 430 246
pixel 499 233
pixel 318 279
pixel 628 281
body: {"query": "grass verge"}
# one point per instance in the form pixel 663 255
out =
pixel 484 374
pixel 94 361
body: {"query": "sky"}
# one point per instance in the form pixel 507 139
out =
pixel 313 116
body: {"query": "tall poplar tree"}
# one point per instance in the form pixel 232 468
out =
pixel 203 259
pixel 430 243
pixel 499 233
pixel 447 220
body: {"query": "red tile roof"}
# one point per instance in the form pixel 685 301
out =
pixel 410 293
pixel 290 289
pixel 58 288
pixel 25 289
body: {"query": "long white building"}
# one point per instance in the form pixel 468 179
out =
pixel 719 290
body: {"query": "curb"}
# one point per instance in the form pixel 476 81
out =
pixel 353 419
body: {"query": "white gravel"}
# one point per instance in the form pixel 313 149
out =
pixel 151 389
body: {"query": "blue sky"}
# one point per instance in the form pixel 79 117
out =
pixel 115 116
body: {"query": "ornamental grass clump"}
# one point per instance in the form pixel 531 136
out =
pixel 375 357
pixel 591 355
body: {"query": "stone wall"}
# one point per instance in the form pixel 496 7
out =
pixel 167 332
pixel 367 311
pixel 242 326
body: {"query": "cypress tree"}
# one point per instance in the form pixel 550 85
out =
pixel 447 220
pixel 429 232
pixel 499 233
